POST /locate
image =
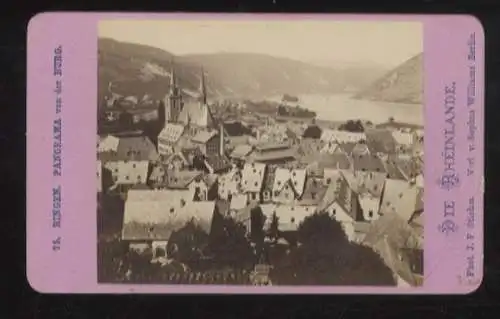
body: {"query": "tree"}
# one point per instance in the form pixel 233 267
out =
pixel 228 244
pixel 126 121
pixel 326 257
pixel 312 131
pixel 186 245
pixel 274 232
pixel 352 126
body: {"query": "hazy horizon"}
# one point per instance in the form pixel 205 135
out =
pixel 377 43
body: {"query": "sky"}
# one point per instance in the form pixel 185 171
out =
pixel 382 43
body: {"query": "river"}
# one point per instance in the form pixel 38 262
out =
pixel 341 107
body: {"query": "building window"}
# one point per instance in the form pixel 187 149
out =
pixel 370 213
pixel 172 210
pixel 292 220
pixel 254 196
pixel 134 165
pixel 328 180
pixel 276 193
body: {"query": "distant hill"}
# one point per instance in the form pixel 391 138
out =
pixel 403 84
pixel 138 70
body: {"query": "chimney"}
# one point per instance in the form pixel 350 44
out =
pixel 221 139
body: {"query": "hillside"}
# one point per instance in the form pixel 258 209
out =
pixel 404 84
pixel 138 69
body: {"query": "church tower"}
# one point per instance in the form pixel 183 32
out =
pixel 203 89
pixel 206 117
pixel 174 103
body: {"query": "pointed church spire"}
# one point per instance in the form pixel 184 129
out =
pixel 173 80
pixel 203 89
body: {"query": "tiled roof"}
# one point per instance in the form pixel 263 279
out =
pixel 275 155
pixel 393 171
pixel 129 172
pixel 241 151
pixel 289 217
pixel 296 178
pixel 138 148
pixel 271 146
pixel 269 177
pixel 239 201
pixel 336 160
pixel 409 167
pixel 252 177
pixel 401 198
pixel 171 133
pixel 181 179
pixel 218 163
pixel 380 141
pixel 369 163
pixel 368 182
pixel 158 219
pixel 204 136
pixel 338 191
pixel 108 144
pixel 314 191
pixel 369 203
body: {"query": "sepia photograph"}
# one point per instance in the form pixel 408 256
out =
pixel 260 152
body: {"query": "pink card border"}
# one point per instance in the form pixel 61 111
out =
pixel 73 269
